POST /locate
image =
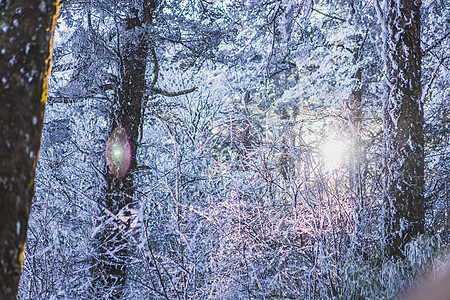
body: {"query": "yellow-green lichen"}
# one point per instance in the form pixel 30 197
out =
pixel 48 61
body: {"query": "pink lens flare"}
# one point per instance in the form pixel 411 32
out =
pixel 118 152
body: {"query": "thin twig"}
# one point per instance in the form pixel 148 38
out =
pixel 437 43
pixel 433 77
pixel 327 15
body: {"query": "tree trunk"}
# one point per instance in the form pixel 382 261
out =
pixel 26 32
pixel 403 126
pixel 111 269
pixel 357 157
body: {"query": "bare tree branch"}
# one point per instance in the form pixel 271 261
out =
pixel 173 94
pixel 327 15
pixel 155 66
pixel 436 43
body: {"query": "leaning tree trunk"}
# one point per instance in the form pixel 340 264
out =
pixel 403 126
pixel 26 34
pixel 110 271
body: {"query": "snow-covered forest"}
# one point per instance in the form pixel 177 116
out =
pixel 235 149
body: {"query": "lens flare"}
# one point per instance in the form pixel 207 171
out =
pixel 333 154
pixel 118 152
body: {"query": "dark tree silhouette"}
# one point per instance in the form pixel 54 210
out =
pixel 113 245
pixel 110 272
pixel 27 28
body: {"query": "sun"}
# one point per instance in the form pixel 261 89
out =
pixel 333 152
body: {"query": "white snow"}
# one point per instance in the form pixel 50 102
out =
pixel 42 6
pixel 13 60
pixel 18 227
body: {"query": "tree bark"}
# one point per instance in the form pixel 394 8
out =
pixel 403 139
pixel 26 32
pixel 111 269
